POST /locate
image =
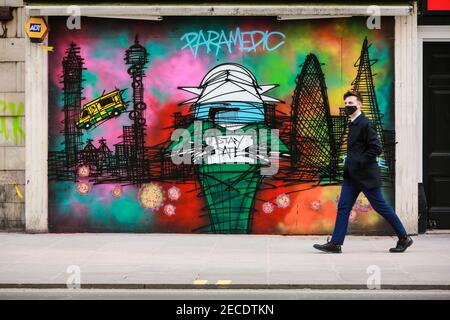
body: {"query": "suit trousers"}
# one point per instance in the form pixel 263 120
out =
pixel 349 194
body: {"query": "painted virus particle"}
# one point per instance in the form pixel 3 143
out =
pixel 83 188
pixel 268 207
pixel 362 205
pixel 83 171
pixel 169 209
pixel 315 205
pixel 151 196
pixel 353 216
pixel 283 201
pixel 174 193
pixel 117 191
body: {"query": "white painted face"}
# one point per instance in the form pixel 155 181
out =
pixel 353 101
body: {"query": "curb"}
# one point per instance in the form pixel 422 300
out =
pixel 225 287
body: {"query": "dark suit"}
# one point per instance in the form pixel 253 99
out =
pixel 361 173
pixel 363 147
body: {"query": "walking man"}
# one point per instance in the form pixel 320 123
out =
pixel 361 173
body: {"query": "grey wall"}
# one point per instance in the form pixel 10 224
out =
pixel 12 120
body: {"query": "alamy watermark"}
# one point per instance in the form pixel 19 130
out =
pixel 374 280
pixel 74 278
pixel 74 19
pixel 374 20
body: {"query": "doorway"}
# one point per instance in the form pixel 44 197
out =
pixel 436 131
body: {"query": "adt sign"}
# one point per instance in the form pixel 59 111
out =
pixel 36 28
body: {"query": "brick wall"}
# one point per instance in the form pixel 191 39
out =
pixel 12 120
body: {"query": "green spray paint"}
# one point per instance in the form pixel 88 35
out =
pixel 229 188
pixel 15 128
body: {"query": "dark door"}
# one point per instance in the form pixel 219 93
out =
pixel 436 131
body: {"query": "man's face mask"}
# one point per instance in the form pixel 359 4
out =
pixel 349 110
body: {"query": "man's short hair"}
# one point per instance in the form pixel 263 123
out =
pixel 353 93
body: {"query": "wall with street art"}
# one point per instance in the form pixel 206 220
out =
pixel 212 125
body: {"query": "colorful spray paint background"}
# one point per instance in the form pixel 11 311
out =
pixel 173 63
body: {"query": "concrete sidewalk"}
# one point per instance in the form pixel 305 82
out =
pixel 211 261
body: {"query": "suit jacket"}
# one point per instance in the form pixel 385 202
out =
pixel 363 146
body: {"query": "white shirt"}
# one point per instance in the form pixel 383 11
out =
pixel 355 115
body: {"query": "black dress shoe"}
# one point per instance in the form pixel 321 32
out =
pixel 328 247
pixel 402 244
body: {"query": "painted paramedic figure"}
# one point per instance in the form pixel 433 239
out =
pixel 362 174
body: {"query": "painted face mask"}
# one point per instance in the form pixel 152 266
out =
pixel 349 110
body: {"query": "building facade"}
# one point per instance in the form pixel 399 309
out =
pixel 221 119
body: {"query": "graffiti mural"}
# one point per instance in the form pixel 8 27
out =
pixel 230 125
pixel 12 124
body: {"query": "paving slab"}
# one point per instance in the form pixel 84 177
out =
pixel 246 261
